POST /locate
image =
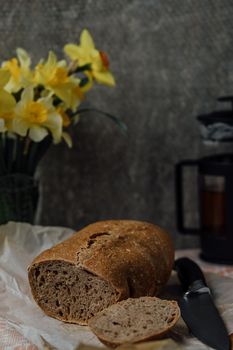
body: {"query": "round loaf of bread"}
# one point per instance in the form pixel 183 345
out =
pixel 104 263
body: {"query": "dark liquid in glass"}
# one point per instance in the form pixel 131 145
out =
pixel 213 212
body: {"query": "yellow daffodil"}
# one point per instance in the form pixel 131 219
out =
pixel 65 118
pixel 86 53
pixel 19 68
pixel 66 137
pixel 66 121
pixel 37 118
pixel 53 75
pixel 7 103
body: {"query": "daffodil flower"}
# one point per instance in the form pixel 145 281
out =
pixel 65 118
pixel 86 53
pixel 19 68
pixel 66 121
pixel 37 118
pixel 7 103
pixel 53 75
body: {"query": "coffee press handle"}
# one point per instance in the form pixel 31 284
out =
pixel 179 196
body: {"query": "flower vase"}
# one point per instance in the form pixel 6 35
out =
pixel 19 195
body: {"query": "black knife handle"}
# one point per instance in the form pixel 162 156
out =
pixel 188 272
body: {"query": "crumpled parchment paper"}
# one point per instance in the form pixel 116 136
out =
pixel 20 243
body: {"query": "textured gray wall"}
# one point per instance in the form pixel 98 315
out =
pixel 171 60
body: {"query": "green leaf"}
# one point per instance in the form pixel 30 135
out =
pixel 116 120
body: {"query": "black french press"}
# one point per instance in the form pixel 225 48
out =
pixel 215 191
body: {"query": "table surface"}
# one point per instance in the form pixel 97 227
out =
pixel 10 339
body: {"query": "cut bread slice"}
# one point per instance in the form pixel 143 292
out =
pixel 135 320
pixel 70 293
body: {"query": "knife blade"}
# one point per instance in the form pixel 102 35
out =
pixel 197 307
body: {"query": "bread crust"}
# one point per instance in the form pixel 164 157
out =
pixel 135 257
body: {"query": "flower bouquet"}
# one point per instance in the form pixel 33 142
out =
pixel 38 106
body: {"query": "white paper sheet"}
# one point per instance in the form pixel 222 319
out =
pixel 19 244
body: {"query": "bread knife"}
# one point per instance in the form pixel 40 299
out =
pixel 197 307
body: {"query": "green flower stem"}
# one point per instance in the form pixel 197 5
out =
pixel 31 158
pixel 19 155
pixel 9 152
pixel 116 120
pixel 3 169
pixel 36 152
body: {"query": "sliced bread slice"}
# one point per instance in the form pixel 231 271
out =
pixel 134 320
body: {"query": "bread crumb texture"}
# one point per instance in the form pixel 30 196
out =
pixel 135 320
